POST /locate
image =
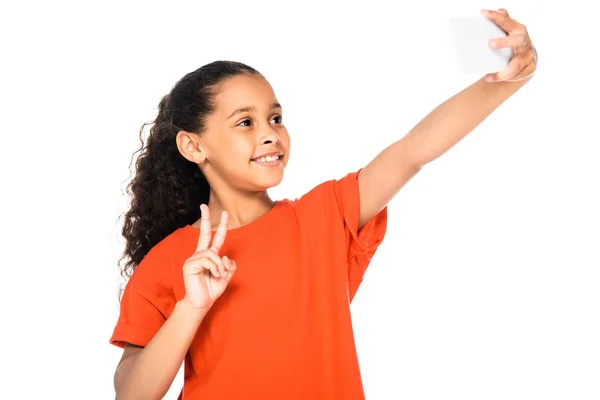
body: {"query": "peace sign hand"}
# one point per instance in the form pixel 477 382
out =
pixel 205 273
pixel 524 61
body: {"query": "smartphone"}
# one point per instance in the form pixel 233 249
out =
pixel 471 37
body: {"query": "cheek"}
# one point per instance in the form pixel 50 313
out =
pixel 241 147
pixel 285 140
pixel 286 144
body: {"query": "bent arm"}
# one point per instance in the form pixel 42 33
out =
pixel 148 372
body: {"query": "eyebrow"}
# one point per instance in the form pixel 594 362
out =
pixel 246 109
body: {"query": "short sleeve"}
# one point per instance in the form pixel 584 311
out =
pixel 362 243
pixel 148 299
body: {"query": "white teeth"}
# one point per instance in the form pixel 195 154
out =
pixel 268 158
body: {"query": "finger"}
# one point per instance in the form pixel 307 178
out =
pixel 513 40
pixel 203 265
pixel 227 262
pixel 227 265
pixel 515 66
pixel 231 267
pixel 211 266
pixel 204 238
pixel 506 23
pixel 221 232
pixel 211 255
pixel 525 73
pixel 222 268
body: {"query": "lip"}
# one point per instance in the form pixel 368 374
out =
pixel 273 153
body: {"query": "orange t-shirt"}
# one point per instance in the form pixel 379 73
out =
pixel 282 328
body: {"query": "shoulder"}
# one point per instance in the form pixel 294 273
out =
pixel 328 193
pixel 163 250
pixel 324 205
pixel 157 264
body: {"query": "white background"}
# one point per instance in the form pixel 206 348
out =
pixel 487 284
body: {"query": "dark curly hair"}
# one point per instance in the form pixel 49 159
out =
pixel 167 189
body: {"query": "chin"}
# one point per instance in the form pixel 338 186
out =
pixel 267 179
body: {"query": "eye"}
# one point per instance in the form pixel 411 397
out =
pixel 244 121
pixel 278 118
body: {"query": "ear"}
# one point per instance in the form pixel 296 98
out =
pixel 190 147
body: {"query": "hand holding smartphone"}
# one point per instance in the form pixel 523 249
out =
pixel 471 37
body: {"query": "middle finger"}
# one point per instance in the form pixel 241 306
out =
pixel 221 232
pixel 513 40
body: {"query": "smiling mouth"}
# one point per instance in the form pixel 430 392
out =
pixel 270 160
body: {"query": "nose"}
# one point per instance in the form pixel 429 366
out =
pixel 270 136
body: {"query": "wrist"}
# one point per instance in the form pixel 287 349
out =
pixel 187 308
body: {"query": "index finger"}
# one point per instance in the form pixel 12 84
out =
pixel 502 19
pixel 221 232
pixel 204 238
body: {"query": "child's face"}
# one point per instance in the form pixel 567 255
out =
pixel 234 139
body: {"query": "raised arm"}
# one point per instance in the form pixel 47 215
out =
pixel 447 124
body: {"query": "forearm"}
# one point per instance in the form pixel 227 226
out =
pixel 447 124
pixel 454 119
pixel 149 373
pixel 434 135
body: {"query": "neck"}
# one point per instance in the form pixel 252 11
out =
pixel 243 208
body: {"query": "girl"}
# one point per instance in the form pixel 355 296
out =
pixel 260 309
